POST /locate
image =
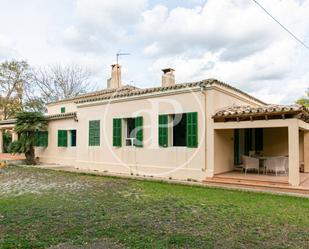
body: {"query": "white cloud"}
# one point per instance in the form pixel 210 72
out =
pixel 219 24
pixel 110 13
pixel 234 41
pixel 7 49
pixel 101 23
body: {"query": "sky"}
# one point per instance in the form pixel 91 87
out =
pixel 231 40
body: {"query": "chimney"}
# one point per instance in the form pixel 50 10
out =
pixel 115 80
pixel 168 77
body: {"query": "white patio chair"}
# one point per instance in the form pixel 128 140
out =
pixel 250 163
pixel 276 164
pixel 286 164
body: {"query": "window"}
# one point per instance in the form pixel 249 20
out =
pixel 41 139
pixel 62 138
pixel 130 131
pixel 179 129
pixel 163 130
pixel 134 131
pixel 73 138
pixel 117 132
pixel 62 109
pixel 184 131
pixel 94 133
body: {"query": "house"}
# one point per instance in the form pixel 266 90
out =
pixel 180 131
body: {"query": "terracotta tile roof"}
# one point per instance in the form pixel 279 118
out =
pixel 61 116
pixel 128 91
pixel 105 92
pixel 243 111
pixel 137 92
pixel 49 117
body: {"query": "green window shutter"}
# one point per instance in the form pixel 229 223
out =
pixel 139 132
pixel 43 138
pixel 163 130
pixel 94 133
pixel 90 133
pixel 62 138
pixel 192 130
pixel 62 109
pixel 59 138
pixel 117 130
pixel 65 138
pixel 37 139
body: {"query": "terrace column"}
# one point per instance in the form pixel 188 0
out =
pixel 210 134
pixel 1 141
pixel 294 176
pixel 210 152
pixel 306 151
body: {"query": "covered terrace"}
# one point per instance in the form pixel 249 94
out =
pixel 264 135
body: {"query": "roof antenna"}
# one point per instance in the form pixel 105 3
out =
pixel 120 54
pixel 117 59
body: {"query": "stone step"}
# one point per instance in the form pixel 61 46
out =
pixel 251 180
pixel 256 185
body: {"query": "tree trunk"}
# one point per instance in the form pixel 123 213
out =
pixel 30 157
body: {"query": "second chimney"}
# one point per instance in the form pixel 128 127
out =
pixel 168 77
pixel 115 80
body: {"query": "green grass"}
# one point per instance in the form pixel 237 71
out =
pixel 41 208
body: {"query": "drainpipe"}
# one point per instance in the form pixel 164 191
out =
pixel 203 90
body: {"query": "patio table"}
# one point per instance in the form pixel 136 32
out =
pixel 262 160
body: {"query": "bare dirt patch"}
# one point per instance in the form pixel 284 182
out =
pixel 14 182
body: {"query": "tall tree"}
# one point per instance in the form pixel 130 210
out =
pixel 304 100
pixel 57 82
pixel 23 88
pixel 27 124
pixel 14 76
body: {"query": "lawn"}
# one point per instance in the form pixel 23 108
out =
pixel 49 209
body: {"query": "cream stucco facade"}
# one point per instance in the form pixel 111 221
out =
pixel 174 162
pixel 151 160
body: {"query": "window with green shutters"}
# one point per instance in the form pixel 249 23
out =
pixel 139 131
pixel 192 130
pixel 41 139
pixel 163 130
pixel 94 133
pixel 117 131
pixel 62 109
pixel 62 138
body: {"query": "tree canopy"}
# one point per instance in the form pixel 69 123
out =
pixel 27 124
pixel 25 88
pixel 304 100
pixel 57 82
pixel 14 76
